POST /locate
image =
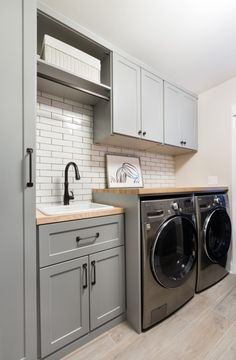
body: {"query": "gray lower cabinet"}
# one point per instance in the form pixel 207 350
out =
pixel 64 304
pixel 107 292
pixel 84 292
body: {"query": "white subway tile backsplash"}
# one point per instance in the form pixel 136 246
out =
pixel 50 160
pixel 50 134
pixel 65 133
pixel 60 118
pixel 43 140
pixel 50 96
pixel 61 142
pixel 50 147
pixel 62 155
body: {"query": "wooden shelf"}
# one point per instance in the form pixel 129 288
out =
pixel 60 82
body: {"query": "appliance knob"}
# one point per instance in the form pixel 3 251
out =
pixel 217 200
pixel 148 226
pixel 175 206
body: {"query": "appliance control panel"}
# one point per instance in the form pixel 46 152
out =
pixel 207 202
pixel 154 210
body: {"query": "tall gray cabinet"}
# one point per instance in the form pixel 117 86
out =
pixel 17 220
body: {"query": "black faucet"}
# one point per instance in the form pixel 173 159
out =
pixel 68 197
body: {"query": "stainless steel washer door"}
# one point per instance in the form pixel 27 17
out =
pixel 174 251
pixel 217 235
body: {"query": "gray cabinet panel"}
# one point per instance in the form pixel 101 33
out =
pixel 172 115
pixel 107 286
pixel 16 311
pixel 126 97
pixel 151 106
pixel 11 193
pixel 189 120
pixel 57 242
pixel 64 304
pixel 29 30
pixel 180 117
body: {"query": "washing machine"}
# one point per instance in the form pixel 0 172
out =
pixel 214 239
pixel 169 253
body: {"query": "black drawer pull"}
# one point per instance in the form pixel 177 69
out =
pixel 93 264
pixel 30 182
pixel 78 238
pixel 85 276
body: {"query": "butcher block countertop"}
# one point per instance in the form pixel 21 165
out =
pixel 42 219
pixel 162 191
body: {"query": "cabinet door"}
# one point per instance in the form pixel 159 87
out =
pixel 64 304
pixel 172 101
pixel 107 289
pixel 152 106
pixel 180 117
pixel 18 233
pixel 126 97
pixel 189 120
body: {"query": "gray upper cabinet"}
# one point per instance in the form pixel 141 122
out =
pixel 64 303
pixel 180 117
pixel 137 101
pixel 189 120
pixel 151 106
pixel 107 286
pixel 126 97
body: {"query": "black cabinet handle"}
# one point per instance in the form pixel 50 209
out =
pixel 140 132
pixel 93 264
pixel 85 276
pixel 30 152
pixel 144 133
pixel 78 238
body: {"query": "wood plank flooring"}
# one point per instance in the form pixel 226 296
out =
pixel 204 329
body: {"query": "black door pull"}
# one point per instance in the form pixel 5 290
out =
pixel 30 182
pixel 93 263
pixel 85 276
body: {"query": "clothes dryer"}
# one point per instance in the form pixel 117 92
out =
pixel 214 239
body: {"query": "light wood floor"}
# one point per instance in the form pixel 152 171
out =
pixel 204 329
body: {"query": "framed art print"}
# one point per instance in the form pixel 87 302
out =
pixel 123 171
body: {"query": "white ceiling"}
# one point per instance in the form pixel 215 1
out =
pixel 191 42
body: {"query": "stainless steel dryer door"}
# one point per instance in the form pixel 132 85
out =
pixel 217 235
pixel 174 252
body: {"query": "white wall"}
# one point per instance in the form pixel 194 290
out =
pixel 214 133
pixel 217 143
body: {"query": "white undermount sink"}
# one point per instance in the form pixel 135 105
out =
pixel 78 207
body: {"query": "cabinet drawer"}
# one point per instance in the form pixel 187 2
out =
pixel 68 240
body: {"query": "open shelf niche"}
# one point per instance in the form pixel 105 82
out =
pixel 60 82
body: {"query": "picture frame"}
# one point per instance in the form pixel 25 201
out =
pixel 123 171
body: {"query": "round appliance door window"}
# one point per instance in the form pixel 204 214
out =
pixel 174 252
pixel 217 231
